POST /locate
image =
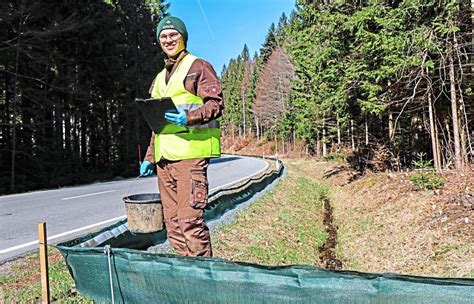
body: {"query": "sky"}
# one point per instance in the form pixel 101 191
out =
pixel 218 29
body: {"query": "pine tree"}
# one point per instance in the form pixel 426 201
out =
pixel 269 44
pixel 280 30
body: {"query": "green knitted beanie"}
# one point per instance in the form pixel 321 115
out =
pixel 172 23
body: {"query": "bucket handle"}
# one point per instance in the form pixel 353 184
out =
pixel 132 184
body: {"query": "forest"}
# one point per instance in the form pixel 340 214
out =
pixel 69 74
pixel 390 81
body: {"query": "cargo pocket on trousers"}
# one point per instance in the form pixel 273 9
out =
pixel 199 188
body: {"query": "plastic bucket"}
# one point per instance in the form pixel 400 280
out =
pixel 144 212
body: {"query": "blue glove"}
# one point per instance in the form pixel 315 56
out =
pixel 176 118
pixel 146 168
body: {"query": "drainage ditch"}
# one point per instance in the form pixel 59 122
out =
pixel 327 251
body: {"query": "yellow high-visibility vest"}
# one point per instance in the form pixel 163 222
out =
pixel 202 141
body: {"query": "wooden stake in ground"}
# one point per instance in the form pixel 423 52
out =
pixel 43 250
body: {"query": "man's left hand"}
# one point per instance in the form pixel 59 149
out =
pixel 176 118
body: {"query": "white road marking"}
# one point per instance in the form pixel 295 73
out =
pixel 3 251
pixel 27 193
pixel 90 194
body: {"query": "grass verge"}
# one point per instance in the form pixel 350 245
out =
pixel 284 227
pixel 20 280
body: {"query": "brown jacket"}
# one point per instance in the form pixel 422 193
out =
pixel 201 81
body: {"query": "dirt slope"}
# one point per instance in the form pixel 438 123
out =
pixel 385 224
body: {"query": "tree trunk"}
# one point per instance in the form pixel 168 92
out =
pixel 449 144
pixel 366 131
pixel 276 143
pixel 294 137
pixel 338 131
pixel 258 128
pixel 68 113
pixel 15 98
pixel 454 109
pixel 4 121
pixel 352 135
pixel 243 114
pixel 233 132
pixel 318 145
pixel 283 144
pixel 472 37
pixel 433 134
pixel 464 130
pixel 391 132
pixel 438 145
pixel 325 148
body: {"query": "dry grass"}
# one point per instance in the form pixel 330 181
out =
pixel 386 225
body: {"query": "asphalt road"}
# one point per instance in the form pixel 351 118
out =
pixel 73 211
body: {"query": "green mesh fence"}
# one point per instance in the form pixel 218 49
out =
pixel 142 277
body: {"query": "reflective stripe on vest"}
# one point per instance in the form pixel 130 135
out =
pixel 201 141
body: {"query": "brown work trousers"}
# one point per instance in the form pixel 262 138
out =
pixel 184 188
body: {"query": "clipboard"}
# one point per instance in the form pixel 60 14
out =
pixel 154 110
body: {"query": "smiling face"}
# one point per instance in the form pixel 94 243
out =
pixel 171 42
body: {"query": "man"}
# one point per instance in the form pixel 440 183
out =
pixel 182 159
